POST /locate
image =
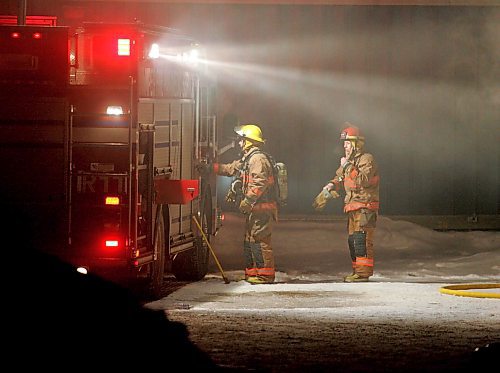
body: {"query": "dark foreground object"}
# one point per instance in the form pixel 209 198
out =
pixel 56 319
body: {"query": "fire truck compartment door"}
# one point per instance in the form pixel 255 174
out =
pixel 177 192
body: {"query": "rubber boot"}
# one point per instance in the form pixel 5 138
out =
pixel 355 278
pixel 257 280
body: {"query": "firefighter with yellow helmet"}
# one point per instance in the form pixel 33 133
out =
pixel 358 173
pixel 258 202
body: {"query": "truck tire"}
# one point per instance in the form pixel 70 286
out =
pixel 158 266
pixel 192 265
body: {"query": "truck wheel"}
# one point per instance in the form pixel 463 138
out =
pixel 192 265
pixel 158 266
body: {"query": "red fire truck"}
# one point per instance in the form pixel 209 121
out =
pixel 100 129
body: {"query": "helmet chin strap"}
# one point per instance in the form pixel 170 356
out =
pixel 354 149
pixel 247 144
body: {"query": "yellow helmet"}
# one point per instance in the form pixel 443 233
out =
pixel 251 132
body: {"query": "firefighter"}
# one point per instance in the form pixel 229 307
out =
pixel 258 202
pixel 358 173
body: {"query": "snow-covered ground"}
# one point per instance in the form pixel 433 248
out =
pixel 412 264
pixel 317 251
pixel 309 320
pixel 311 256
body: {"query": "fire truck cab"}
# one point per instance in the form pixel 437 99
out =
pixel 101 128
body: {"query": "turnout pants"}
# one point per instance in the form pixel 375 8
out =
pixel 257 250
pixel 361 228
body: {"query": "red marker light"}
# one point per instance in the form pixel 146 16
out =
pixel 15 35
pixel 37 35
pixel 123 47
pixel 112 243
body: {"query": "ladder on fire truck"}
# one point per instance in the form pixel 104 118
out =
pixel 100 135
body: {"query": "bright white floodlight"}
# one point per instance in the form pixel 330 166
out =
pixel 154 52
pixel 191 57
pixel 114 110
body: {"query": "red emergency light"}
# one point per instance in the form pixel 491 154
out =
pixel 30 20
pixel 112 243
pixel 123 47
pixel 17 35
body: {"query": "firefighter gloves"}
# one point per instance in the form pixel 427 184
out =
pixel 322 199
pixel 204 169
pixel 344 162
pixel 245 206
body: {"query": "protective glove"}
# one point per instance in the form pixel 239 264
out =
pixel 344 162
pixel 204 169
pixel 245 206
pixel 323 197
pixel 329 186
pixel 235 191
pixel 326 194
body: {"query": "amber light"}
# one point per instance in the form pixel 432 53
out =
pixel 112 201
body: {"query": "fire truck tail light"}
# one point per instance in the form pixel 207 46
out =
pixel 15 35
pixel 112 243
pixel 37 35
pixel 114 110
pixel 123 47
pixel 112 201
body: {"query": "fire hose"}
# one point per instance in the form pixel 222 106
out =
pixel 462 290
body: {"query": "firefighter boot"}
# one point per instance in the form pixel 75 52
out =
pixel 352 252
pixel 257 280
pixel 355 278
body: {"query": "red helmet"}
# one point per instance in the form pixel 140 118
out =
pixel 351 132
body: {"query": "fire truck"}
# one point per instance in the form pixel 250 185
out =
pixel 101 128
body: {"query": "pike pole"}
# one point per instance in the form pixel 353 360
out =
pixel 211 250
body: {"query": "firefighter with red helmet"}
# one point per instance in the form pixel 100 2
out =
pixel 258 202
pixel 358 173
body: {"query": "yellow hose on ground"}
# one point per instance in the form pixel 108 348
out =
pixel 461 290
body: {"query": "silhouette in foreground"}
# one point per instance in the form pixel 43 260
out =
pixel 63 320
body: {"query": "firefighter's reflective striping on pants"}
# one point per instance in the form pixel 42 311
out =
pixel 258 186
pixel 360 178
